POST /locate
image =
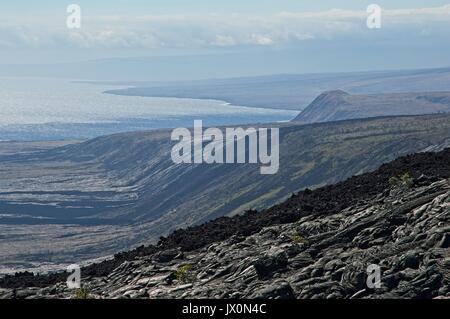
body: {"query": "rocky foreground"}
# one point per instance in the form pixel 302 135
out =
pixel 93 199
pixel 405 230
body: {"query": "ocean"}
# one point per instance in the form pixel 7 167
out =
pixel 55 109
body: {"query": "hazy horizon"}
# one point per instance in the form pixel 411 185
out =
pixel 199 40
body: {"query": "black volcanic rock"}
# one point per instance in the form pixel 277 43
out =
pixel 277 290
pixel 167 255
pixel 289 252
pixel 268 264
pixel 259 266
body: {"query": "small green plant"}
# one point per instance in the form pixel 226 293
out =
pixel 403 181
pixel 299 239
pixel 82 293
pixel 184 274
pixel 394 181
pixel 407 180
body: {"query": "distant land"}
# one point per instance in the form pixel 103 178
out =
pixel 290 91
pixel 339 105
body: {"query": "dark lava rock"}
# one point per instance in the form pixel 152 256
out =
pixel 391 281
pixel 336 220
pixel 167 255
pixel 300 261
pixel 267 265
pixel 354 279
pixel 318 272
pixel 278 290
pixel 23 293
pixel 409 260
pixel 445 242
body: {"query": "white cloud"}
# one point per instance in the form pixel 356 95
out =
pixel 223 41
pixel 260 39
pixel 227 30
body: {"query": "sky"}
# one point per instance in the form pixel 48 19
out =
pixel 413 33
pixel 106 7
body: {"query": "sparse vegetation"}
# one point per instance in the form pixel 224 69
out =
pixel 299 239
pixel 184 274
pixel 82 293
pixel 393 181
pixel 402 181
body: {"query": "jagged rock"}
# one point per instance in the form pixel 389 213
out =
pixel 300 261
pixel 7 294
pixel 409 260
pixel 168 255
pixel 405 234
pixel 278 290
pixel 268 264
pixel 24 293
pixel 445 242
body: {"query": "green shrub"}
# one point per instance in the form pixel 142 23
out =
pixel 403 181
pixel 184 274
pixel 407 180
pixel 82 293
pixel 299 239
pixel 394 181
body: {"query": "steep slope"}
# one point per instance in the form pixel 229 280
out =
pixel 318 244
pixel 93 199
pixel 339 105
